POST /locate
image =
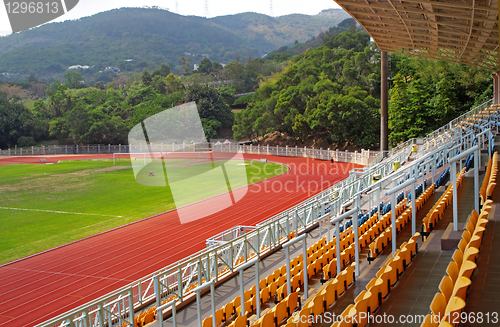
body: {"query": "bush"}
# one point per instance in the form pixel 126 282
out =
pixel 25 141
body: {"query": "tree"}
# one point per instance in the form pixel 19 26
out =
pixel 12 117
pixel 146 77
pixel 163 71
pixel 159 84
pixel 59 99
pixel 174 84
pixel 59 129
pixel 205 66
pixel 213 110
pixel 73 80
pixel 185 64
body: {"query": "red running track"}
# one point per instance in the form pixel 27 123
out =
pixel 53 282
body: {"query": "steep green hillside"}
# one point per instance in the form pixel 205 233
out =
pixel 151 37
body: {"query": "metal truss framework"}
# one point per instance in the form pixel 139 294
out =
pixel 463 31
pixel 224 254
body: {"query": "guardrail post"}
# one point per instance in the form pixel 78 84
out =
pixel 179 283
pixel 157 289
pixel 414 208
pixel 160 314
pixel 356 235
pixel 304 258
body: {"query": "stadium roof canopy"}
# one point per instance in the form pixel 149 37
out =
pixel 463 31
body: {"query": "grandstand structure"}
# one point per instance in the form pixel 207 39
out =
pixel 359 219
pixel 347 250
pixel 411 234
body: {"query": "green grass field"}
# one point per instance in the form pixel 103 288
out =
pixel 93 196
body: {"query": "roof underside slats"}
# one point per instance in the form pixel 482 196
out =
pixel 460 31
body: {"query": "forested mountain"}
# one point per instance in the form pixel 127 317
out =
pixel 153 36
pixel 330 96
pixel 324 97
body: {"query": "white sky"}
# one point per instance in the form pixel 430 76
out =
pixel 190 7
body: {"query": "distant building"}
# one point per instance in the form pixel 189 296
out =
pixel 196 66
pixel 78 67
pixel 112 69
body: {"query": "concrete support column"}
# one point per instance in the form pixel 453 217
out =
pixel 498 87
pixel 384 105
pixel 495 88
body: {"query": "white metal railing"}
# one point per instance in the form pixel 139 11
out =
pixel 363 157
pixel 234 247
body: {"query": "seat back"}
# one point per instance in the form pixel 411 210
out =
pixel 446 287
pixel 292 301
pixel 281 312
pixel 349 272
pixel 375 288
pixel 281 280
pixel 471 254
pixel 241 321
pixel 273 288
pixel 438 304
pixel 267 319
pixel 248 295
pixel 219 316
pixel 330 290
pixel 282 292
pixel 207 322
pixel 429 321
pixel 461 286
pixel 295 282
pixel 385 277
pixel 466 235
pixel 317 308
pixel 452 270
pixel 270 279
pixel 264 294
pixel 236 302
pixel 453 309
pixel 467 269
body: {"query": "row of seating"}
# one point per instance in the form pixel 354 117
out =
pixel 274 285
pixel 448 303
pixel 369 300
pixel 320 257
pixel 442 177
pixel 322 301
pixel 385 237
pixel 437 211
pixel 283 310
pixel 489 184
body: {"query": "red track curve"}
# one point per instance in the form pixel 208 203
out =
pixel 43 286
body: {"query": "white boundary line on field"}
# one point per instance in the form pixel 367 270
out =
pixel 72 213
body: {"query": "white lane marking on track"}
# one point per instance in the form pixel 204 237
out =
pixel 54 211
pixel 69 274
